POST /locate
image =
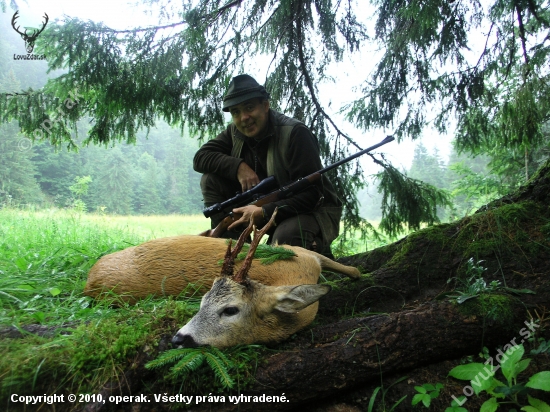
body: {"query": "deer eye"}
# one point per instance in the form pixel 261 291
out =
pixel 230 311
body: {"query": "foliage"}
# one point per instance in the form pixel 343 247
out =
pixel 405 200
pixel 188 360
pixel 475 285
pixel 426 393
pixel 267 253
pixel 177 71
pixel 17 181
pixel 384 391
pixel 483 63
pixel 429 168
pixel 79 189
pixel 482 378
pixel 455 405
pixel 544 346
pixel 481 187
pixel 120 181
pixel 227 366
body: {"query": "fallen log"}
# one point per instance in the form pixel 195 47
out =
pixel 351 347
pixel 358 351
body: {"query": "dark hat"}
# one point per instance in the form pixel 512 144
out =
pixel 241 89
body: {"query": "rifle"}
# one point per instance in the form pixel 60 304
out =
pixel 260 195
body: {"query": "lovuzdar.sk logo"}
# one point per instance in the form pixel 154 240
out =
pixel 29 36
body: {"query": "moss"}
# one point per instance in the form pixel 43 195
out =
pixel 92 354
pixel 420 248
pixel 505 231
pixel 495 307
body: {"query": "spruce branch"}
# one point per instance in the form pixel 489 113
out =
pixel 309 83
pixel 521 32
pixel 210 16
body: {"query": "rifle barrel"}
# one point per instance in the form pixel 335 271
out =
pixel 388 139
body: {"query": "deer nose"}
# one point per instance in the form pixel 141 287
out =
pixel 185 341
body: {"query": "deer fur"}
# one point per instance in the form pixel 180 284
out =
pixel 166 266
pixel 273 301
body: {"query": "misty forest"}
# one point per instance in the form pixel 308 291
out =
pixel 452 309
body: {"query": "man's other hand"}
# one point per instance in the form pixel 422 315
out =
pixel 247 177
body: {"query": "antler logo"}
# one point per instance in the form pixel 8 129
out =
pixel 29 38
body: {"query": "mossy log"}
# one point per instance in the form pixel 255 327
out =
pixel 398 317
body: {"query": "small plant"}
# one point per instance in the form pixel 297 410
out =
pixel 426 393
pixel 482 378
pixel 475 285
pixel 544 347
pixel 384 392
pixel 455 405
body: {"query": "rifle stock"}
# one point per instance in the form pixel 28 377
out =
pixel 282 193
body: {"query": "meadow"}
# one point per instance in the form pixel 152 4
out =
pixel 83 344
pixel 44 261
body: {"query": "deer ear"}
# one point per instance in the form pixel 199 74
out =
pixel 295 298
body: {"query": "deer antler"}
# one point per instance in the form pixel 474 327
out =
pixel 35 34
pixel 230 255
pixel 242 275
pixel 15 16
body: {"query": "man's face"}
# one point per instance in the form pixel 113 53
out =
pixel 251 117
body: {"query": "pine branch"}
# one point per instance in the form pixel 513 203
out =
pixel 188 360
pixel 266 253
pixel 408 202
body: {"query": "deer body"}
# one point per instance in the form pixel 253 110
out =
pixel 275 301
pixel 164 267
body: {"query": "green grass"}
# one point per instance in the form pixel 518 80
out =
pixel 154 226
pixel 44 262
pixel 45 257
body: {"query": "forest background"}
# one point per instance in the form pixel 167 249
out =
pixel 154 174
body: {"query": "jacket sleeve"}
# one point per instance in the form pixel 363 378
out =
pixel 303 159
pixel 215 157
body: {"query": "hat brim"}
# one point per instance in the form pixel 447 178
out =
pixel 227 104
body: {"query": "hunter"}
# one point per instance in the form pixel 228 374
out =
pixel 261 142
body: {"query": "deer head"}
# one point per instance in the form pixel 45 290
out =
pixel 239 310
pixel 29 38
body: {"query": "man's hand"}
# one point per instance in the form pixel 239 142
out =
pixel 250 211
pixel 247 177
